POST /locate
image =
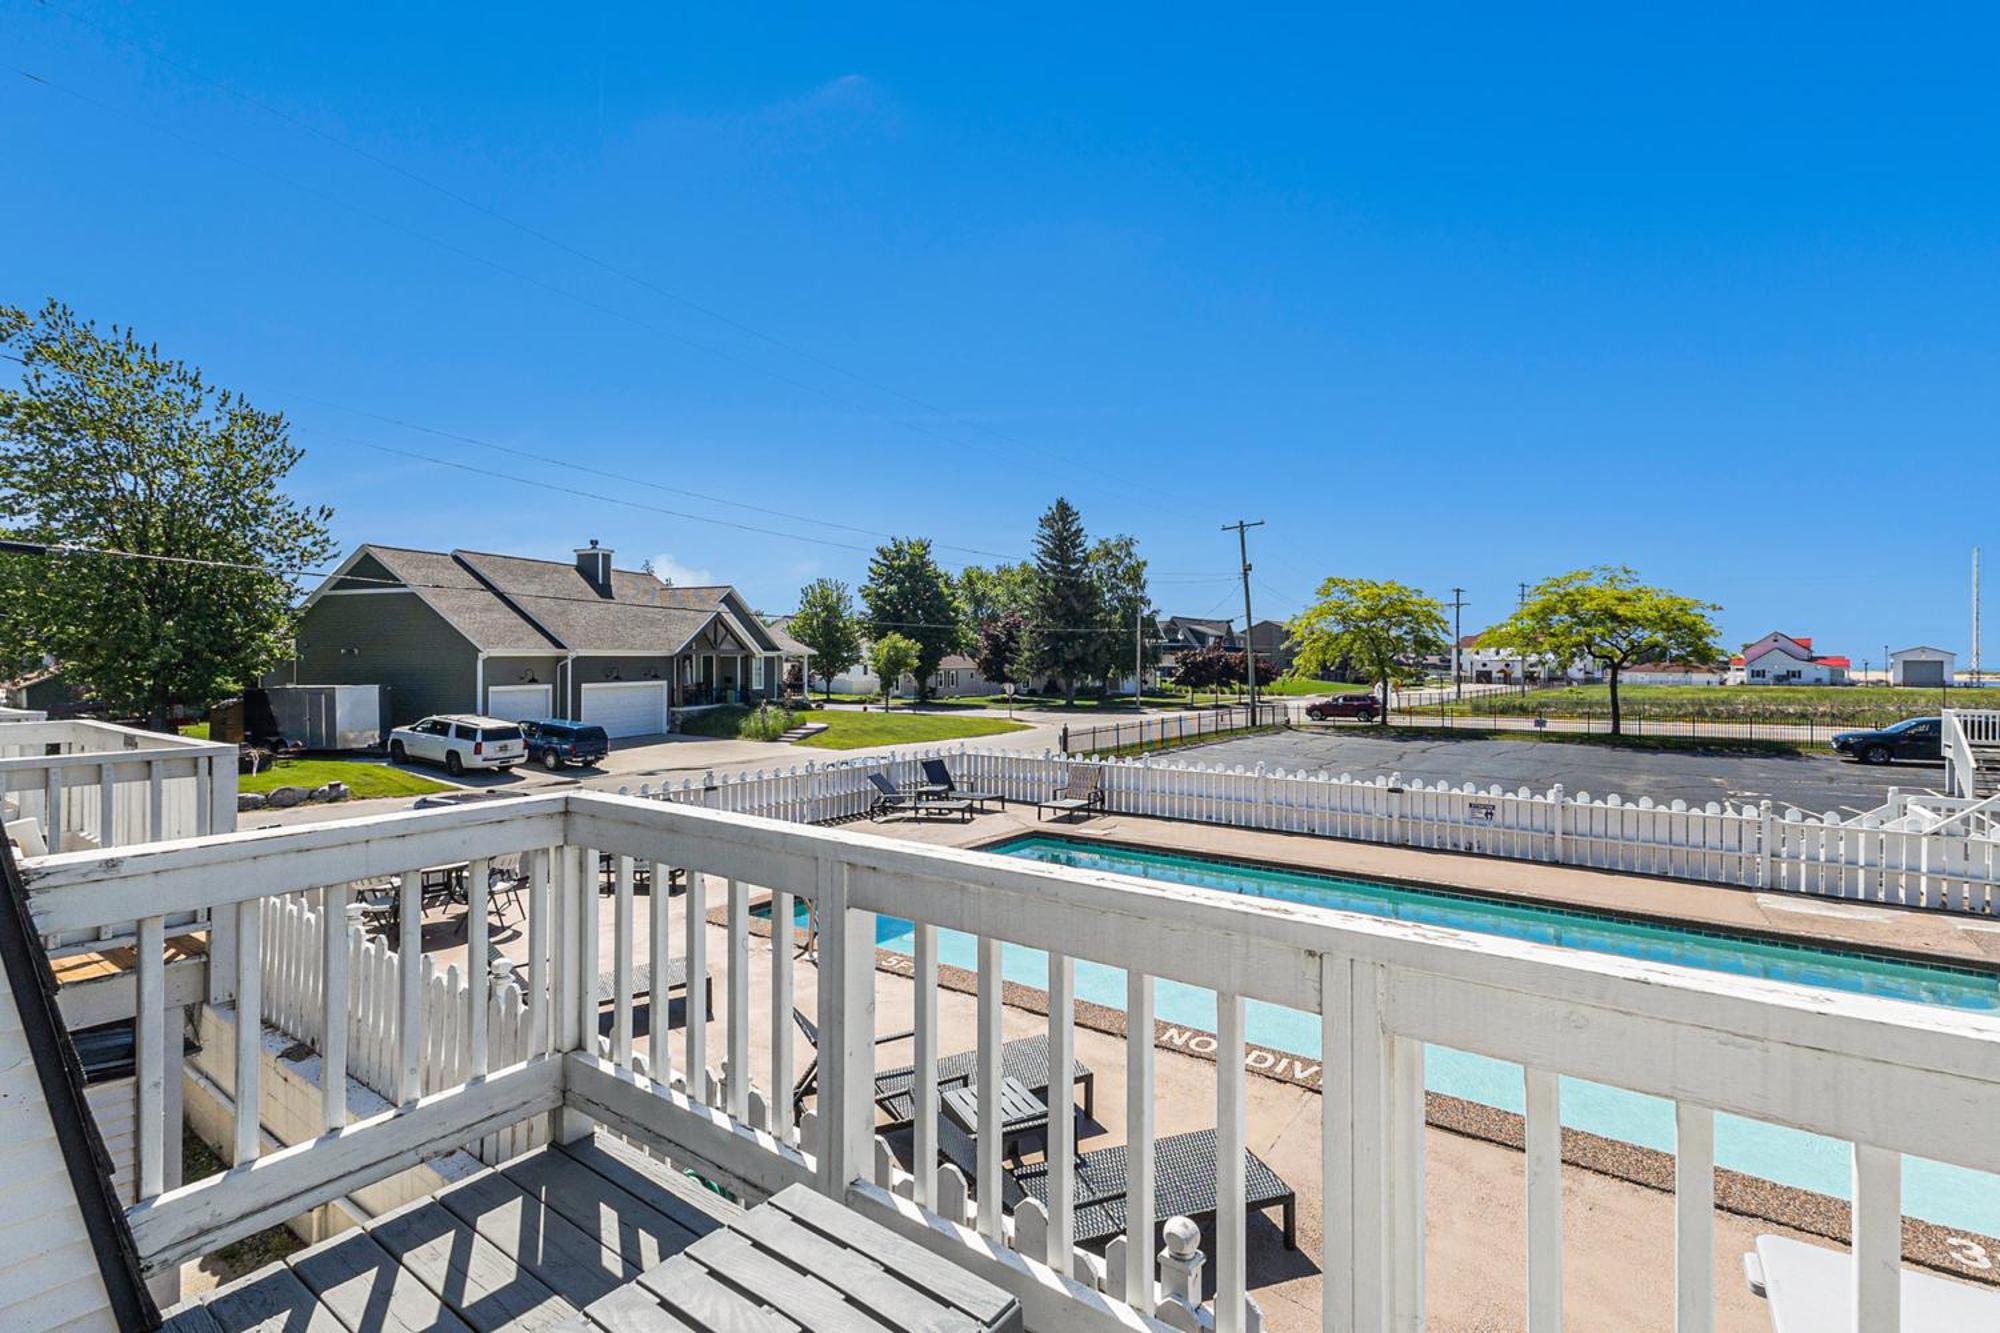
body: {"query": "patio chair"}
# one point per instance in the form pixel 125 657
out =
pixel 1026 1059
pixel 1808 1289
pixel 937 776
pixel 888 800
pixel 1184 1167
pixel 1083 794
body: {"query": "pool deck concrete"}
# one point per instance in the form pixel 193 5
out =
pixel 1618 1234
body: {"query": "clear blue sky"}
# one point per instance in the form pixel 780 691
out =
pixel 1466 298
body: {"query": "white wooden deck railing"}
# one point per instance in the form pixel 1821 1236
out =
pixel 1890 1078
pixel 1874 858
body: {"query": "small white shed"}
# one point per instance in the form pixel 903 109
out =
pixel 1922 666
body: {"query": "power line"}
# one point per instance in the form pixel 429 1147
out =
pixel 1066 459
pixel 45 550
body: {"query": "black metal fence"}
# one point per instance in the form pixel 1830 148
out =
pixel 1149 733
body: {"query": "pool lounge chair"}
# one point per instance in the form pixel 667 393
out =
pixel 1026 1059
pixel 1183 1183
pixel 888 800
pixel 1083 794
pixel 1808 1289
pixel 938 778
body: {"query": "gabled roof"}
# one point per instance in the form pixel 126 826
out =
pixel 634 616
pixel 506 603
pixel 446 587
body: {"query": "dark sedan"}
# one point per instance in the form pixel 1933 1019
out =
pixel 1913 738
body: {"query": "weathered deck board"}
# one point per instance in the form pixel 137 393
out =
pixel 368 1291
pixel 546 1243
pixel 636 1232
pixel 483 1284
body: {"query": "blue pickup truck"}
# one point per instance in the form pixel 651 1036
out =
pixel 553 742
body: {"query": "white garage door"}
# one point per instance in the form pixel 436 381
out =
pixel 638 709
pixel 518 703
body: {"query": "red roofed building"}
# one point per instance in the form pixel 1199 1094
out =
pixel 1781 659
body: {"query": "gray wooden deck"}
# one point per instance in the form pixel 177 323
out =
pixel 525 1246
pixel 595 1237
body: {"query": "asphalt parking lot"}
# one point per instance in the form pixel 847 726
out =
pixel 1814 783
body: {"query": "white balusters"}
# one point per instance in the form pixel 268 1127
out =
pixel 541 867
pixel 659 920
pixel 410 991
pixel 1543 1167
pixel 1878 1239
pixel 987 1186
pixel 477 967
pixel 333 1007
pixel 249 1026
pixel 1062 1117
pixel 589 891
pixel 1232 1116
pixel 1694 1218
pixel 1140 1065
pixel 924 1150
pixel 696 925
pixel 621 965
pixel 738 930
pixel 846 1033
pixel 150 1036
pixel 780 1102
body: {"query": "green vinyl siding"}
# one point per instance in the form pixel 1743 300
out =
pixel 388 639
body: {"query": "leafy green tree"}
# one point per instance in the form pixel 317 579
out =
pixel 1607 615
pixel 908 594
pixel 985 594
pixel 826 623
pixel 1068 618
pixel 1380 628
pixel 106 444
pixel 1125 609
pixel 893 657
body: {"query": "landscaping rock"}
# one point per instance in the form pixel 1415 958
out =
pixel 284 798
pixel 249 800
pixel 337 791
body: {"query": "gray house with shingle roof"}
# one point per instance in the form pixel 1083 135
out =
pixel 470 631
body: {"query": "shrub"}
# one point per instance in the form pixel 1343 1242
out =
pixel 765 723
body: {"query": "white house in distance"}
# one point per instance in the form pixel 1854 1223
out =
pixel 1922 665
pixel 1781 659
pixel 1503 666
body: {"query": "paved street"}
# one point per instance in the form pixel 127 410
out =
pixel 1815 783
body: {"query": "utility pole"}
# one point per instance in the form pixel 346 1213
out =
pixel 1242 530
pixel 1139 656
pixel 1524 595
pixel 1457 637
pixel 1977 675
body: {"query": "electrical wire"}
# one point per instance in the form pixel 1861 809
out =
pixel 15 546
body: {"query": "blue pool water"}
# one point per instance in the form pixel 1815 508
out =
pixel 1947 1195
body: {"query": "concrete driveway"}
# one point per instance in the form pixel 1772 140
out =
pixel 1814 783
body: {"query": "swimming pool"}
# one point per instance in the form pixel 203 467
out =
pixel 1947 1195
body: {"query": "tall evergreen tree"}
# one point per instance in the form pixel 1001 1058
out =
pixel 1068 609
pixel 908 594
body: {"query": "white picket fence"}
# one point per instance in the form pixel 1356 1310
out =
pixel 1868 858
pixel 293 1003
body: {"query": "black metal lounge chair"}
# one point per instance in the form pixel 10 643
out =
pixel 1025 1059
pixel 1083 794
pixel 938 778
pixel 888 800
pixel 1183 1183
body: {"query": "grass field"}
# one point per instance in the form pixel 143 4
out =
pixel 363 778
pixel 858 731
pixel 851 729
pixel 1848 705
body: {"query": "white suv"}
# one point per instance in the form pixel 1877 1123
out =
pixel 460 741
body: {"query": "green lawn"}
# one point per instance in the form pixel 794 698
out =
pixel 857 731
pixel 363 778
pixel 195 731
pixel 1844 705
